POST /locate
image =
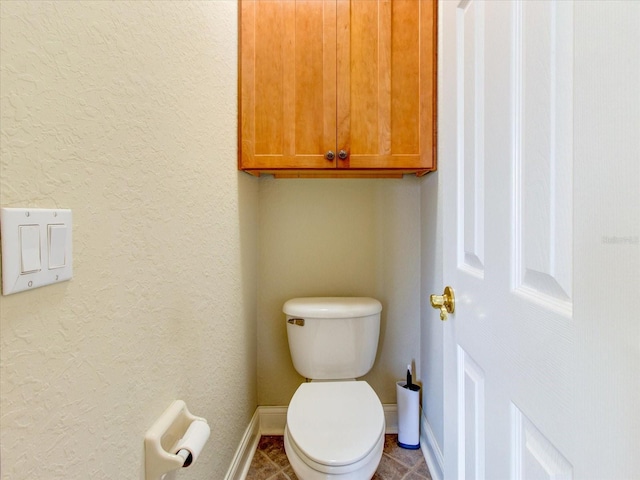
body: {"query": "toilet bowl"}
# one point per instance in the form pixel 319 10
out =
pixel 335 424
pixel 335 430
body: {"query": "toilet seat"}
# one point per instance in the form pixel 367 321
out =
pixel 336 427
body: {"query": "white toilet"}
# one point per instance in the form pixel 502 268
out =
pixel 335 424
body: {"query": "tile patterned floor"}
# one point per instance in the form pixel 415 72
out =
pixel 270 462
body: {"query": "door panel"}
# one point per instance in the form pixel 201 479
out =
pixel 533 455
pixel 543 152
pixel 309 73
pixel 288 81
pixel 539 95
pixel 385 77
pixel 470 130
pixel 502 333
pixel 471 412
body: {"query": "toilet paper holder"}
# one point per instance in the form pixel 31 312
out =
pixel 161 440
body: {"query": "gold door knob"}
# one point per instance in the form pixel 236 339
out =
pixel 445 302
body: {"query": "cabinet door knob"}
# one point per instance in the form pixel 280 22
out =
pixel 343 154
pixel 330 155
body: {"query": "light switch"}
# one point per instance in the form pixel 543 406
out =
pixel 37 247
pixel 56 244
pixel 29 248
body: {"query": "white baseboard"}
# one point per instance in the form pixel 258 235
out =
pixel 244 454
pixel 431 449
pixel 390 418
pixel 271 421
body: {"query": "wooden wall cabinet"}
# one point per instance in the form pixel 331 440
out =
pixel 350 76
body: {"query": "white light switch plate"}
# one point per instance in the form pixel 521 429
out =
pixel 55 227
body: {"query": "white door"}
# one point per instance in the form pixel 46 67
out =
pixel 540 164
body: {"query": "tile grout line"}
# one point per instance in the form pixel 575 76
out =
pixel 412 469
pixel 278 467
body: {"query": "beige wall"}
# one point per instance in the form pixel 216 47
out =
pixel 339 237
pixel 125 112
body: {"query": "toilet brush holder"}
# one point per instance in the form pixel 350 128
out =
pixel 408 415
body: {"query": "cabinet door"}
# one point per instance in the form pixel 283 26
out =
pixel 288 84
pixel 386 83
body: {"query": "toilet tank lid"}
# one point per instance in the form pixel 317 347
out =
pixel 332 307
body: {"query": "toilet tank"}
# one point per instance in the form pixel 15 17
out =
pixel 332 338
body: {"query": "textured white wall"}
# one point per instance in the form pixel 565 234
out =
pixel 125 112
pixel 339 237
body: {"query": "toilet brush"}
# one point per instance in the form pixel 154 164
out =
pixel 410 385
